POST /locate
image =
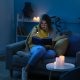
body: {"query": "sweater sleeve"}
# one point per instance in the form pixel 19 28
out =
pixel 31 34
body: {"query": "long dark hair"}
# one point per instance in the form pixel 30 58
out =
pixel 46 18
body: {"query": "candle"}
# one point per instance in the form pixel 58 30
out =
pixel 36 19
pixel 57 62
pixel 62 59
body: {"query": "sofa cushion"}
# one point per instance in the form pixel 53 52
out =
pixel 20 59
pixel 74 45
pixel 61 46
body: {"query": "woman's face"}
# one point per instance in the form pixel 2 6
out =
pixel 44 25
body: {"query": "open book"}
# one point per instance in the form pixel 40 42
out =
pixel 41 41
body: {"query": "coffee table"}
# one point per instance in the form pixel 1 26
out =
pixel 64 68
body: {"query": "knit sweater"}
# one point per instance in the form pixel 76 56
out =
pixel 38 32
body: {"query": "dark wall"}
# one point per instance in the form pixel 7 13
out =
pixel 68 10
pixel 7 31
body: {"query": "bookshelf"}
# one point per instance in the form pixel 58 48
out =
pixel 23 27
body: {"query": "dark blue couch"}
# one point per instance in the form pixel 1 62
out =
pixel 40 68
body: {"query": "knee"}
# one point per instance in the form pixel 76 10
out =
pixel 51 53
pixel 38 49
pixel 21 53
pixel 41 48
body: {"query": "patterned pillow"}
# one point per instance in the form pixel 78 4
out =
pixel 61 46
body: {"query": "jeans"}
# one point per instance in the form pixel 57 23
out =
pixel 39 52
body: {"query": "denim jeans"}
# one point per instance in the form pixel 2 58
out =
pixel 39 52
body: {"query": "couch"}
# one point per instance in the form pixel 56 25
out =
pixel 40 69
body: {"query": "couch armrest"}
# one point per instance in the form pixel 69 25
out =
pixel 11 49
pixel 16 46
pixel 78 58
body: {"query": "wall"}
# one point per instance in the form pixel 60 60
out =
pixel 63 8
pixel 68 10
pixel 6 24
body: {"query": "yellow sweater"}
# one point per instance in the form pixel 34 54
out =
pixel 41 34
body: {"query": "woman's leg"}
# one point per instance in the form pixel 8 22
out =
pixel 21 58
pixel 37 52
pixel 50 54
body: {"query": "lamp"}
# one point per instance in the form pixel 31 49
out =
pixel 27 10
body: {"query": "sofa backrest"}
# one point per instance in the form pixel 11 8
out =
pixel 74 45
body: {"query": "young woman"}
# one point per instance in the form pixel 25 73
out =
pixel 37 52
pixel 43 30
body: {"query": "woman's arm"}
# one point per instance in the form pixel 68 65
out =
pixel 29 37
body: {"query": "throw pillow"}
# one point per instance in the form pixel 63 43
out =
pixel 61 46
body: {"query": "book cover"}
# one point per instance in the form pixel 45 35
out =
pixel 41 41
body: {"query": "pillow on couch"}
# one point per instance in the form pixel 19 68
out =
pixel 74 45
pixel 61 46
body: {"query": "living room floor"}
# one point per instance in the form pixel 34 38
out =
pixel 4 74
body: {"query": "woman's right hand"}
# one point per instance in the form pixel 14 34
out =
pixel 34 32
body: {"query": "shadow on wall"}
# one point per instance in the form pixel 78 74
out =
pixel 60 26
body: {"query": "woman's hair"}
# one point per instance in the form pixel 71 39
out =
pixel 46 18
